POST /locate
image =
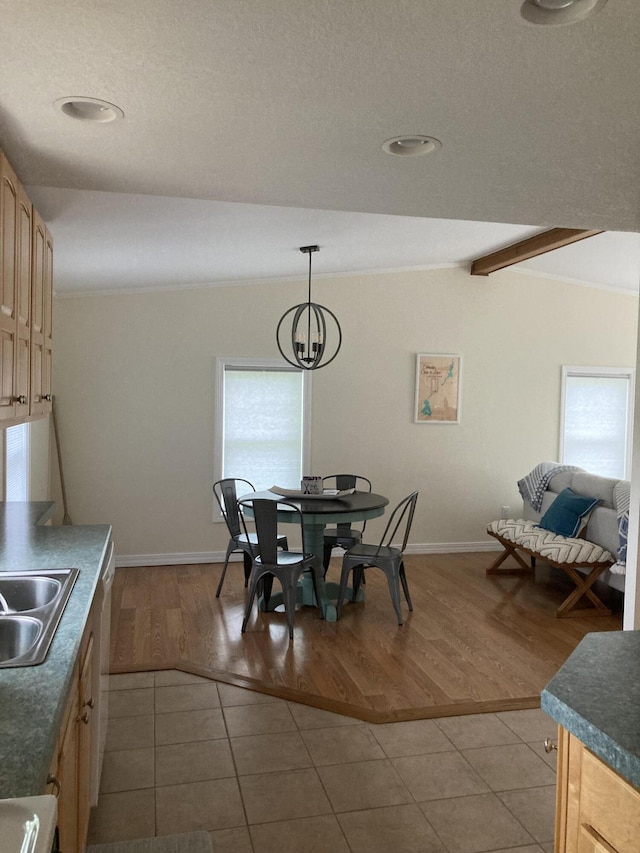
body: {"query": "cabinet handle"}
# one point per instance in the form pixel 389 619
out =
pixel 550 745
pixel 21 399
pixel 47 397
pixel 52 780
pixel 89 704
pixel 84 718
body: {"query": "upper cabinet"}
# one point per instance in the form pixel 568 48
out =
pixel 41 302
pixel 26 301
pixel 8 287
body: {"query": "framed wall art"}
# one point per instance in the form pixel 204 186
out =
pixel 437 388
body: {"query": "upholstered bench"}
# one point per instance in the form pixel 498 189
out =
pixel 574 521
pixel 562 552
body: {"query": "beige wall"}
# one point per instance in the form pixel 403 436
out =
pixel 134 380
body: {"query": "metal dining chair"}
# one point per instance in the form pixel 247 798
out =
pixel 384 556
pixel 226 493
pixel 344 535
pixel 268 561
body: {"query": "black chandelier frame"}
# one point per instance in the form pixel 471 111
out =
pixel 308 336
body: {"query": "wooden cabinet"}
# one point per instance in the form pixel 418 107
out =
pixel 597 811
pixel 23 302
pixel 41 304
pixel 8 286
pixel 70 773
pixel 86 757
pixel 26 302
pixel 63 776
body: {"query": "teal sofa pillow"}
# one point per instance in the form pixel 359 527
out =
pixel 568 513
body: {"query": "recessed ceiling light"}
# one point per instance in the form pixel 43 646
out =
pixel 411 146
pixel 88 109
pixel 557 12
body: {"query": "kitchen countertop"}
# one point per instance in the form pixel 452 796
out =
pixel 595 695
pixel 33 698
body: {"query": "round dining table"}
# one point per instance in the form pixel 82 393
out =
pixel 317 513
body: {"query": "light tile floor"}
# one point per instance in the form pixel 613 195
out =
pixel 264 775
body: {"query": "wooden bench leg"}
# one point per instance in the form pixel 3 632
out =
pixel 583 587
pixel 509 551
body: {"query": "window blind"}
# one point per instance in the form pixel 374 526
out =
pixel 597 424
pixel 263 426
pixel 16 469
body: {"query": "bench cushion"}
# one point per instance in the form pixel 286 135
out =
pixel 549 546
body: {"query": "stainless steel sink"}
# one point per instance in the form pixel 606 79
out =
pixel 31 604
pixel 17 636
pixel 18 594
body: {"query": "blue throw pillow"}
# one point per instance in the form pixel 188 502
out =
pixel 568 513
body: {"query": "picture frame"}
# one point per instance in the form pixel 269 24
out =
pixel 437 389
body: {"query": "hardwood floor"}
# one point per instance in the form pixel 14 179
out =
pixel 472 643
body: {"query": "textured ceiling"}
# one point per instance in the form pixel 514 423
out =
pixel 287 103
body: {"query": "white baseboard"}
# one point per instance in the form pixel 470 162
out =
pixel 192 558
pixel 179 559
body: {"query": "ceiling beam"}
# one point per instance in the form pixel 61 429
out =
pixel 555 238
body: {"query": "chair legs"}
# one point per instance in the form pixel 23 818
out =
pixel 394 576
pixel 394 589
pixel 326 557
pixel 230 549
pixel 358 580
pixel 246 556
pixel 289 594
pixel 405 585
pixel 344 578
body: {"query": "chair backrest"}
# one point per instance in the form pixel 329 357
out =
pixel 265 517
pixel 347 481
pixel 402 514
pixel 226 492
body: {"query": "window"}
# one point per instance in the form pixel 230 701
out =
pixel 597 419
pixel 16 463
pixel 262 418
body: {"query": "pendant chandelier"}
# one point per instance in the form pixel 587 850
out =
pixel 304 328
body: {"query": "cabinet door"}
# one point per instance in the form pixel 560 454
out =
pixel 23 304
pixel 67 776
pixel 8 286
pixel 590 842
pixel 85 742
pixel 598 810
pixel 47 322
pixel 38 273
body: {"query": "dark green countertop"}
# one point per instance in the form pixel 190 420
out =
pixel 596 697
pixel 33 698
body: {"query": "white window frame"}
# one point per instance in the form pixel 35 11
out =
pixel 628 373
pixel 26 460
pixel 268 364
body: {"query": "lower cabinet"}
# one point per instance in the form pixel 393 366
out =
pixel 70 772
pixel 63 777
pixel 597 811
pixel 85 741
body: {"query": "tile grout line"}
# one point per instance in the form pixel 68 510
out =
pixel 155 787
pixel 322 785
pixel 235 767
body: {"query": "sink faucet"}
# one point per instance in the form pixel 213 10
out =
pixel 4 604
